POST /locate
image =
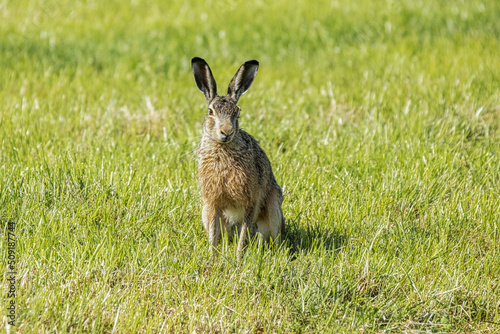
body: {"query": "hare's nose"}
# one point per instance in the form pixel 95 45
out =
pixel 226 133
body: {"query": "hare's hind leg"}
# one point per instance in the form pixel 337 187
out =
pixel 212 222
pixel 271 223
pixel 277 221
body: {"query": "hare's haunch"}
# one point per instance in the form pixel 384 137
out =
pixel 237 185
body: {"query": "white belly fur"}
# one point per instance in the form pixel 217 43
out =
pixel 234 215
pixel 234 218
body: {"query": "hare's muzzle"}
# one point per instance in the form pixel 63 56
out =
pixel 226 136
pixel 226 132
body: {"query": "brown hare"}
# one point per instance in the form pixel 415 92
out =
pixel 237 185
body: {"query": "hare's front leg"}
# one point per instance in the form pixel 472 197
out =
pixel 246 227
pixel 211 221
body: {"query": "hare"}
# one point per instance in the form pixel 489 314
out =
pixel 237 185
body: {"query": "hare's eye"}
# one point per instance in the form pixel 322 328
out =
pixel 210 111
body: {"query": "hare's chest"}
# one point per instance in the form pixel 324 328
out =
pixel 223 179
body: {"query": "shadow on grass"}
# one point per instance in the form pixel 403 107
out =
pixel 304 236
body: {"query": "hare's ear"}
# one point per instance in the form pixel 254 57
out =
pixel 243 79
pixel 203 77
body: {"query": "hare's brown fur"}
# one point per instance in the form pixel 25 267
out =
pixel 237 185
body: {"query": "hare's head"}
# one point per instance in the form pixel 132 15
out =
pixel 221 122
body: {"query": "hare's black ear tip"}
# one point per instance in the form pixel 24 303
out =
pixel 252 62
pixel 197 60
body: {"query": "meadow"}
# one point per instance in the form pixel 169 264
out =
pixel 380 118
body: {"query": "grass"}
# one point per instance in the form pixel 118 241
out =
pixel 381 121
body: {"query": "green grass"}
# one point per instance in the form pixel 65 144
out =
pixel 381 120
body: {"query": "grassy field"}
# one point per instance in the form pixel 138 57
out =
pixel 381 120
